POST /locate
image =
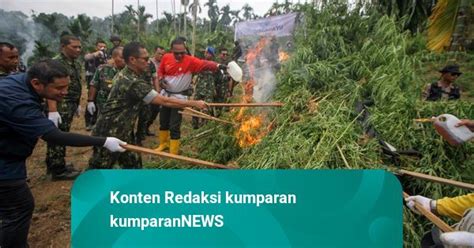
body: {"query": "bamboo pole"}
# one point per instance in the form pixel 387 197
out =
pixel 206 117
pixel 430 216
pixel 177 157
pixel 437 179
pixel 424 120
pixel 196 112
pixel 263 104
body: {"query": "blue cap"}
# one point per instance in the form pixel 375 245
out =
pixel 211 50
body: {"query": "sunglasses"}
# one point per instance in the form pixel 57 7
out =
pixel 455 74
pixel 224 54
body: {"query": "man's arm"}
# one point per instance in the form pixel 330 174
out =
pixel 154 98
pixel 59 137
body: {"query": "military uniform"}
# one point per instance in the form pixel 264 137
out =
pixel 118 118
pixel 221 86
pixel 66 108
pixel 91 67
pixel 102 81
pixel 205 90
pixel 147 111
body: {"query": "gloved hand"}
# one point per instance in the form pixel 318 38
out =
pixel 91 108
pixel 55 118
pixel 461 238
pixel 113 144
pixel 78 111
pixel 222 67
pixel 423 201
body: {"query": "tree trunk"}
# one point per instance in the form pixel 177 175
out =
pixel 458 38
pixel 196 2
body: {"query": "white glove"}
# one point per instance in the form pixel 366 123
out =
pixel 78 111
pixel 91 107
pixel 423 201
pixel 113 144
pixel 461 238
pixel 55 118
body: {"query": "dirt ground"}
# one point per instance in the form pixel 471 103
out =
pixel 51 222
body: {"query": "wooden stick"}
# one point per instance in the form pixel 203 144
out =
pixel 433 218
pixel 424 120
pixel 197 112
pixel 177 157
pixel 437 179
pixel 263 104
pixel 206 117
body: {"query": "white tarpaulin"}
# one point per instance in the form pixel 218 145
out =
pixel 278 26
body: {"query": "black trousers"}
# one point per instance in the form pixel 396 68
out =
pixel 16 211
pixel 170 119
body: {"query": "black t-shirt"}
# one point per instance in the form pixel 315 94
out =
pixel 22 122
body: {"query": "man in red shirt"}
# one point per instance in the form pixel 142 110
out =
pixel 175 76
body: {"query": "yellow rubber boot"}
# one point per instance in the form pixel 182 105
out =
pixel 174 146
pixel 164 138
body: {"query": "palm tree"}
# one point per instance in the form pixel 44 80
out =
pixel 185 3
pixel 248 12
pixel 49 21
pixel 213 14
pixel 194 8
pixel 225 19
pixel 447 25
pixel 142 18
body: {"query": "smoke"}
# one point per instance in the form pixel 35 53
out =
pixel 30 35
pixel 265 83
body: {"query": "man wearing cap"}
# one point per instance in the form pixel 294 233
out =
pixel 205 85
pixel 444 88
pixel 116 41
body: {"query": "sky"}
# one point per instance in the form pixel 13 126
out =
pixel 103 8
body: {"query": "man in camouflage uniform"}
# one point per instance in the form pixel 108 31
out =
pixel 205 86
pixel 92 62
pixel 130 91
pixel 101 83
pixel 62 113
pixel 146 110
pixel 223 83
pixel 8 59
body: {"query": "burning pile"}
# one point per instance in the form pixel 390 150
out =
pixel 253 126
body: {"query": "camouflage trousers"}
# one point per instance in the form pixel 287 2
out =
pixel 204 91
pixel 55 154
pixel 104 159
pixel 220 96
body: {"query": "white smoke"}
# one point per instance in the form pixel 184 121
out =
pixel 265 82
pixel 30 35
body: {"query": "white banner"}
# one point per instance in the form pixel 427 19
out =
pixel 278 26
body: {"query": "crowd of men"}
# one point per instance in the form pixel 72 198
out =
pixel 126 89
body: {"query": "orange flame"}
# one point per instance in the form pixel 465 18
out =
pixel 283 56
pixel 251 131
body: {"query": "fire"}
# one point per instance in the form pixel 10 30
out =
pixel 283 56
pixel 249 132
pixel 252 129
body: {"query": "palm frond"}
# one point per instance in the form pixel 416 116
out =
pixel 441 24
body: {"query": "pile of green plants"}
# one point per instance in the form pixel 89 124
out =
pixel 343 58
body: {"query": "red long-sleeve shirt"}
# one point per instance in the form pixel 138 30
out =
pixel 179 74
